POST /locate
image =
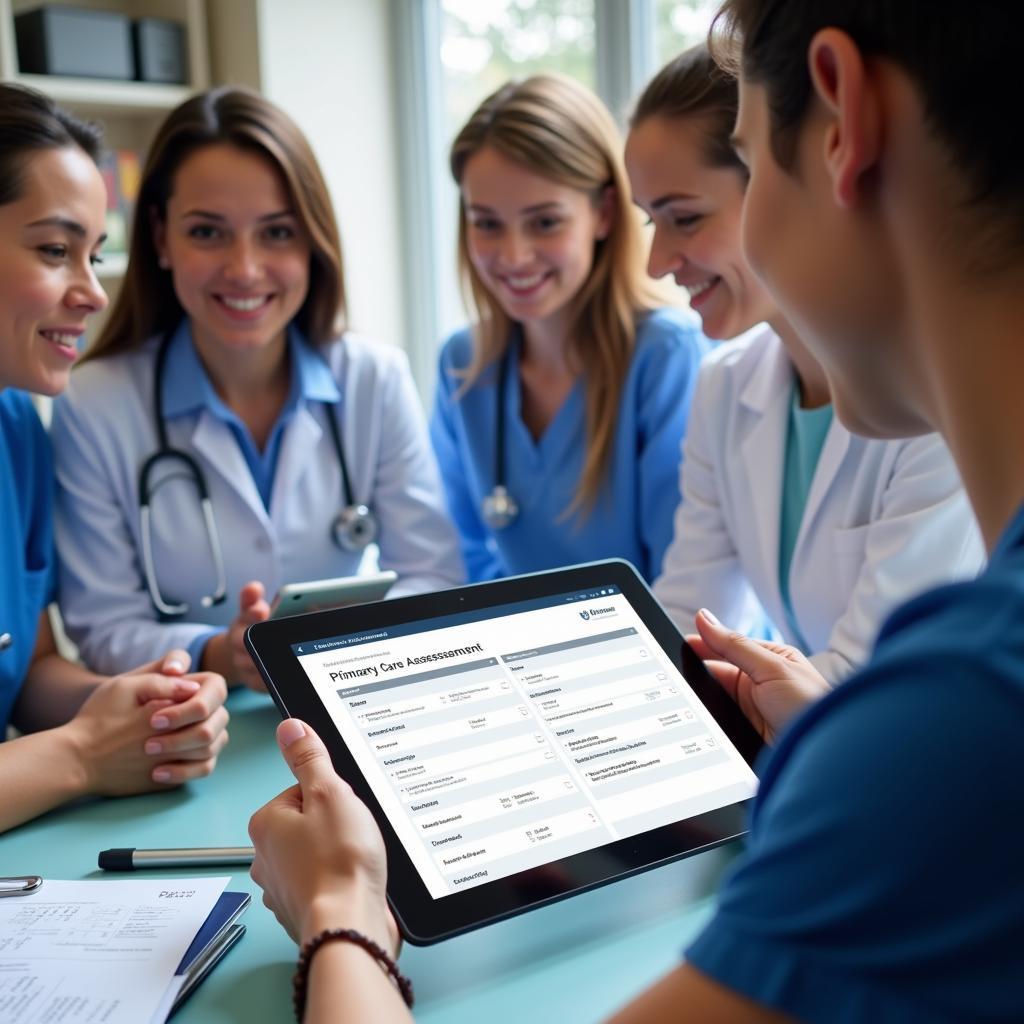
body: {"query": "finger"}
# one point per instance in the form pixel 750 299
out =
pixel 175 662
pixel 161 688
pixel 725 674
pixel 177 772
pixel 190 740
pixel 305 754
pixel 209 694
pixel 250 593
pixel 746 654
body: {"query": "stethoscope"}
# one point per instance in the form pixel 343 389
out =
pixel 354 528
pixel 499 508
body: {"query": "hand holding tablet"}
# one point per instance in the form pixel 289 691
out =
pixel 516 741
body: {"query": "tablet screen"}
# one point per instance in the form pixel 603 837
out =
pixel 504 738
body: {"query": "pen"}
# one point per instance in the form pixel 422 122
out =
pixel 131 859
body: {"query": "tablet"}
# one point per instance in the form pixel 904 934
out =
pixel 316 595
pixel 517 741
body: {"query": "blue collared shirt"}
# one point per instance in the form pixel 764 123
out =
pixel 187 388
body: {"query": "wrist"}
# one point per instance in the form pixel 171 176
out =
pixel 73 765
pixel 348 907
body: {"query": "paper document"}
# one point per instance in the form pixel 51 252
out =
pixel 83 952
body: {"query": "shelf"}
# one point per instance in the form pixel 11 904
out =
pixel 114 265
pixel 108 96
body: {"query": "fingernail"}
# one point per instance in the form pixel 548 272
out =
pixel 174 665
pixel 188 684
pixel 160 722
pixel 290 730
pixel 161 775
pixel 154 746
pixel 710 617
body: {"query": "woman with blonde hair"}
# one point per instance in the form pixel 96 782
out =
pixel 228 434
pixel 560 412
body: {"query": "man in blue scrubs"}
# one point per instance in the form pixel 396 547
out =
pixel 883 880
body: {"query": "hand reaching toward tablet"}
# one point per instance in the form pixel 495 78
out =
pixel 320 858
pixel 772 683
pixel 226 653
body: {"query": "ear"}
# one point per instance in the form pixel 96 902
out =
pixel 843 86
pixel 158 230
pixel 605 212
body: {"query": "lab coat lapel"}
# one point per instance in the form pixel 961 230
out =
pixel 837 443
pixel 297 455
pixel 765 398
pixel 213 440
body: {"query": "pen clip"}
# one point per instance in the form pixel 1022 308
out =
pixel 20 885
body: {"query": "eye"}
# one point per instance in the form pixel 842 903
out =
pixel 54 252
pixel 96 259
pixel 280 233
pixel 547 222
pixel 485 224
pixel 686 221
pixel 203 232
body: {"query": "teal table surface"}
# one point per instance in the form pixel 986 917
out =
pixel 573 962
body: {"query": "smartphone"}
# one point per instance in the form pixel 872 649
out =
pixel 317 595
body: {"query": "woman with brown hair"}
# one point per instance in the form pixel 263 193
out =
pixel 560 412
pixel 228 434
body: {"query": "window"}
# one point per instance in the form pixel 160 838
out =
pixel 680 24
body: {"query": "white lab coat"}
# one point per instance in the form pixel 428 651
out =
pixel 884 520
pixel 103 430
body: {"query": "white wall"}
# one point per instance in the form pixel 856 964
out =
pixel 329 64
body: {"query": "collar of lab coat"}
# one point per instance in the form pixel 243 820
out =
pixel 186 387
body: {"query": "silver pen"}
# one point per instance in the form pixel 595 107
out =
pixel 130 859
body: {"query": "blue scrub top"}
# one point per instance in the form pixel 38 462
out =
pixel 883 877
pixel 26 539
pixel 633 515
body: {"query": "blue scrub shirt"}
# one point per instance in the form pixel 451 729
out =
pixel 26 539
pixel 633 515
pixel 883 880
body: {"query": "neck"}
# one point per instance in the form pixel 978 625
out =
pixel 247 377
pixel 546 346
pixel 969 348
pixel 810 377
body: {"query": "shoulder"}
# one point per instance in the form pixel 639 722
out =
pixel 457 350
pixel 668 333
pixel 355 354
pixel 731 364
pixel 21 431
pixel 125 373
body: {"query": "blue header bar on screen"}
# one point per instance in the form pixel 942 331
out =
pixel 331 643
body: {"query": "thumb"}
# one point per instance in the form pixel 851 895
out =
pixel 165 688
pixel 174 663
pixel 304 753
pixel 727 645
pixel 249 594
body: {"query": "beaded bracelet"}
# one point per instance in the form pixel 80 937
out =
pixel 301 976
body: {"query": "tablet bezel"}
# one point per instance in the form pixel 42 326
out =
pixel 422 919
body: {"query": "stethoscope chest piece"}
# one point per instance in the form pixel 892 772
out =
pixel 355 528
pixel 499 508
pixel 6 640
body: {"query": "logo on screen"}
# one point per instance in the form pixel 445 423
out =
pixel 584 615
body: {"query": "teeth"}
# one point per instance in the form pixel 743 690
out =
pixel 244 305
pixel 700 289
pixel 61 338
pixel 525 283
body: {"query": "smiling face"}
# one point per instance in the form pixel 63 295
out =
pixel 49 237
pixel 696 210
pixel 530 239
pixel 237 251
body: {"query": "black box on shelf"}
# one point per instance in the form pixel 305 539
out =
pixel 55 40
pixel 159 50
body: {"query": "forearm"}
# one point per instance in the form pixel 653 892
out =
pixel 39 772
pixel 53 691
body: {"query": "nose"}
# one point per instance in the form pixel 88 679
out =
pixel 242 262
pixel 663 258
pixel 86 294
pixel 516 250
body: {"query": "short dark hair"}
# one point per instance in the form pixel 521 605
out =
pixel 964 59
pixel 29 122
pixel 693 85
